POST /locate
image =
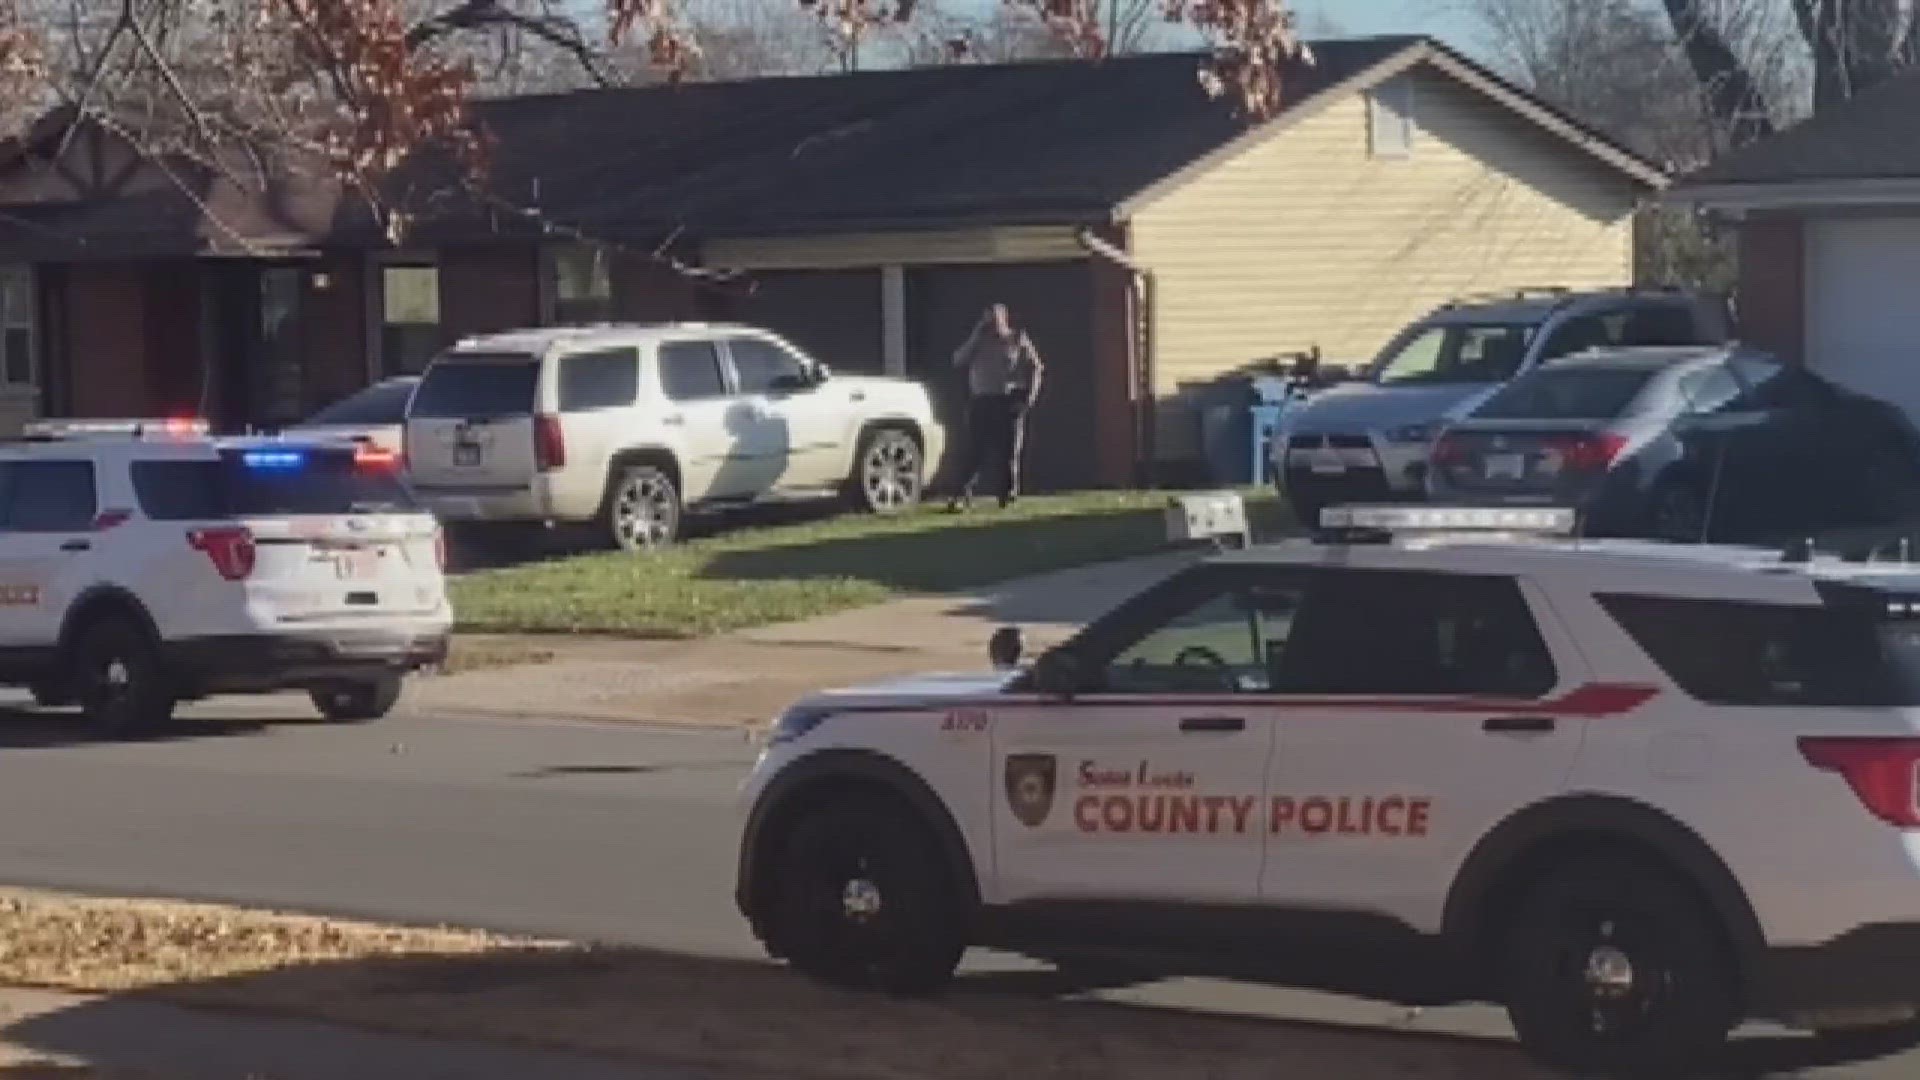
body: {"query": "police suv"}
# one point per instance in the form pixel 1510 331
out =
pixel 143 563
pixel 1634 792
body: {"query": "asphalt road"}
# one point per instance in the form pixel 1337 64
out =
pixel 588 831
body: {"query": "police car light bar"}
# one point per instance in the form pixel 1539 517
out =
pixel 1399 519
pixel 174 428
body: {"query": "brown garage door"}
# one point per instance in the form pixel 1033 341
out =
pixel 1054 303
pixel 832 314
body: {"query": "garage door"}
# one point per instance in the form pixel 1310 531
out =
pixel 833 314
pixel 1863 306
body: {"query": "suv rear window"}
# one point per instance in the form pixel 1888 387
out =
pixel 470 386
pixel 1732 652
pixel 1568 393
pixel 264 483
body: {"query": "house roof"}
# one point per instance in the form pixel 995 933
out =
pixel 1871 137
pixel 1059 142
pixel 1047 142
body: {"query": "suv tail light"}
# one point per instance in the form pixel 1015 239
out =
pixel 440 548
pixel 1450 450
pixel 229 546
pixel 1588 453
pixel 1883 772
pixel 549 443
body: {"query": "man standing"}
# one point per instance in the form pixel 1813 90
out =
pixel 1003 373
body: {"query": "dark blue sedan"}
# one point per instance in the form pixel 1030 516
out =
pixel 1685 444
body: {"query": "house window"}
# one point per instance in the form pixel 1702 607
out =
pixel 16 326
pixel 410 324
pixel 581 284
pixel 1390 118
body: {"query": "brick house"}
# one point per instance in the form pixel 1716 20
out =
pixel 1145 236
pixel 1827 215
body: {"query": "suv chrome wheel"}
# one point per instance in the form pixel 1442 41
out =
pixel 891 477
pixel 645 510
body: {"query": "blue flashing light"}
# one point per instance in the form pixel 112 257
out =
pixel 273 459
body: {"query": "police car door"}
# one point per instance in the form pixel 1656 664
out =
pixel 1424 708
pixel 47 516
pixel 1146 785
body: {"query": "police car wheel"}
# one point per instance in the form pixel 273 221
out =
pixel 118 679
pixel 1616 968
pixel 861 901
pixel 351 702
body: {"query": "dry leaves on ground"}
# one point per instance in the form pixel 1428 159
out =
pixel 724 1017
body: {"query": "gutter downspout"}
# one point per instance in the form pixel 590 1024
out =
pixel 1144 418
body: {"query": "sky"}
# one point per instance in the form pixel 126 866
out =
pixel 1447 20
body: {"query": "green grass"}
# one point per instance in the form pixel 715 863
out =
pixel 751 575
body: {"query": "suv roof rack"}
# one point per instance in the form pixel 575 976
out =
pixel 134 428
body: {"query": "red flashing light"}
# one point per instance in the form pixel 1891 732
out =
pixel 371 456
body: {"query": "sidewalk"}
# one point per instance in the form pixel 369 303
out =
pixel 744 678
pixel 144 1040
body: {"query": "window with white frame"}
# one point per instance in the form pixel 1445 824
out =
pixel 410 317
pixel 17 367
pixel 1390 118
pixel 580 284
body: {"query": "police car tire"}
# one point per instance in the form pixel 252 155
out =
pixel 355 702
pixel 1669 936
pixel 145 701
pixel 913 944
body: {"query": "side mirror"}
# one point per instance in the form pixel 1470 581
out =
pixel 1005 647
pixel 1057 674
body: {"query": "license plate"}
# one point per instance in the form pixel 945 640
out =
pixel 1328 463
pixel 1505 466
pixel 466 455
pixel 356 565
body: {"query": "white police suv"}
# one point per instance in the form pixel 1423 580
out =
pixel 1634 792
pixel 143 563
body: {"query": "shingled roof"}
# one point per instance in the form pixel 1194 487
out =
pixel 1874 136
pixel 1059 142
pixel 1050 141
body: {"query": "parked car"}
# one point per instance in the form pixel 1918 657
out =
pixel 627 428
pixel 1683 444
pixel 1368 440
pixel 375 415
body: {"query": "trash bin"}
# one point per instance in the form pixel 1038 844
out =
pixel 1226 424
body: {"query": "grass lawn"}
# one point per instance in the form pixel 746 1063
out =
pixel 752 575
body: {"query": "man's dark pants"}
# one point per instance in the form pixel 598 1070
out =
pixel 993 430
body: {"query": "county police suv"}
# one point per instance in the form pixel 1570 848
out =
pixel 1634 792
pixel 142 563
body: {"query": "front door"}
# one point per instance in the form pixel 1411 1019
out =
pixel 1149 786
pixel 1422 709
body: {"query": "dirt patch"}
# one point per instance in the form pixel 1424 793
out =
pixel 468 653
pixel 727 1018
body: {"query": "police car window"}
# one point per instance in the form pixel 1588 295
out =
pixel 1729 652
pixel 1223 644
pixel 1380 632
pixel 50 496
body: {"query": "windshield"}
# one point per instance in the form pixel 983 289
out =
pixel 383 403
pixel 1559 393
pixel 266 482
pixel 1456 353
pixel 470 386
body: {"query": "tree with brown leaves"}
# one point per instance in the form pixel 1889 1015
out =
pixel 360 86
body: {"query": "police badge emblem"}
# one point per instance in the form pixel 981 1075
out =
pixel 1030 783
